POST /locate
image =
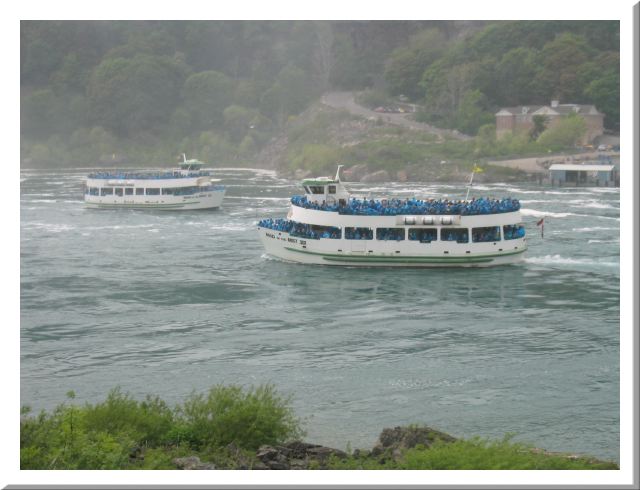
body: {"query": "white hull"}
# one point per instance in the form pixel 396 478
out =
pixel 328 226
pixel 378 253
pixel 205 200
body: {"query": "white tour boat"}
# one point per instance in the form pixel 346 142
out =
pixel 328 225
pixel 187 187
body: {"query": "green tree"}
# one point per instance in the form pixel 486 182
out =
pixel 237 121
pixel 539 125
pixel 565 133
pixel 515 77
pixel 560 60
pixel 446 87
pixel 134 94
pixel 289 95
pixel 38 113
pixel 206 94
pixel 605 94
pixel 473 112
pixel 405 66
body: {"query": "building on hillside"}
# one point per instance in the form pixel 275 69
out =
pixel 584 174
pixel 511 120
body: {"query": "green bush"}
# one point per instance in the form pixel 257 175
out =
pixel 60 441
pixel 148 421
pixel 228 414
pixel 473 454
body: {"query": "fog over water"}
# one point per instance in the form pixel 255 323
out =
pixel 167 303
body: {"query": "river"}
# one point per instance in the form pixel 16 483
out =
pixel 167 303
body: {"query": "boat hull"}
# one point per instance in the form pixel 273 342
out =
pixel 205 200
pixel 341 252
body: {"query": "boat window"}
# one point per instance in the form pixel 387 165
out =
pixel 423 235
pixel 306 189
pixel 486 234
pixel 93 191
pixel 167 192
pixel 317 189
pixel 511 232
pixel 332 189
pixel 460 235
pixel 119 191
pixel 106 191
pixel 86 190
pixel 128 191
pixel 139 191
pixel 153 191
pixel 326 232
pixel 358 233
pixel 390 234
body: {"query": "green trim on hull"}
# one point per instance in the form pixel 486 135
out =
pixel 142 206
pixel 478 259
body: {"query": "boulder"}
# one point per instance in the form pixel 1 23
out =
pixel 136 453
pixel 379 176
pixel 192 463
pixel 296 455
pixel 401 176
pixel 302 173
pixel 399 439
pixel 354 173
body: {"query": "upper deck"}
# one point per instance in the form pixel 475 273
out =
pixel 411 206
pixel 172 174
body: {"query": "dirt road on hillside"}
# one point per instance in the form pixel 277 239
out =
pixel 346 101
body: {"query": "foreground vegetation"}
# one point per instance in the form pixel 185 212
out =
pixel 228 427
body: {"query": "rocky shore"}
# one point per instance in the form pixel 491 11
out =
pixel 392 445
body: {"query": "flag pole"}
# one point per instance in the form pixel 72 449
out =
pixel 541 225
pixel 473 171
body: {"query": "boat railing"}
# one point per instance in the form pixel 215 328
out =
pixel 148 175
pixel 395 207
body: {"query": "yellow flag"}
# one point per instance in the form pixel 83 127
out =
pixel 477 169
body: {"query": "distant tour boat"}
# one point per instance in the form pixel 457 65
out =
pixel 327 225
pixel 183 188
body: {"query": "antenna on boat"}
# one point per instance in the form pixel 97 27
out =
pixel 338 173
pixel 184 158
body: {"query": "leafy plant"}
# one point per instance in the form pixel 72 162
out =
pixel 229 414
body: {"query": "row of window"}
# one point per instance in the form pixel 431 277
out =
pixel 138 191
pixel 427 235
pixel 319 189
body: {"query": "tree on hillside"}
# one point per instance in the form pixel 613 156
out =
pixel 515 78
pixel 445 88
pixel 205 95
pixel 605 94
pixel 560 60
pixel 290 94
pixel 540 122
pixel 134 94
pixel 473 112
pixel 405 66
pixel 568 131
pixel 238 121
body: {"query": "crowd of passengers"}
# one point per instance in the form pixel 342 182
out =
pixel 148 175
pixel 301 230
pixel 394 207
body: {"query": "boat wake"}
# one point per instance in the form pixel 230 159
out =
pixel 557 259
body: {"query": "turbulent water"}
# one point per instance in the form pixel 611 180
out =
pixel 167 303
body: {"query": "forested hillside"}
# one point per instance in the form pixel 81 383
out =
pixel 141 92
